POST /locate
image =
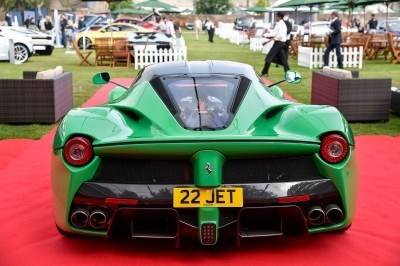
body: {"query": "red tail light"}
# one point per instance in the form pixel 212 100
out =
pixel 334 148
pixel 78 151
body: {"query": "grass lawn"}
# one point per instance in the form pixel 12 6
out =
pixel 197 50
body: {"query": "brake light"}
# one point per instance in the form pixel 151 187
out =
pixel 334 148
pixel 78 151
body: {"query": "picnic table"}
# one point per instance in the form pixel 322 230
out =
pixel 378 45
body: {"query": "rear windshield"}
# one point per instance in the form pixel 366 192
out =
pixel 203 103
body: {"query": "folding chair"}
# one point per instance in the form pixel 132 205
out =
pixel 394 47
pixel 82 55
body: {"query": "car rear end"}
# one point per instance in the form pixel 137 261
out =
pixel 200 162
pixel 159 190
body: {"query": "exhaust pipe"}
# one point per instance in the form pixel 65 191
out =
pixel 79 218
pixel 333 214
pixel 98 219
pixel 316 215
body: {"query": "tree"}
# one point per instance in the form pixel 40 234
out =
pixel 212 6
pixel 263 3
pixel 121 4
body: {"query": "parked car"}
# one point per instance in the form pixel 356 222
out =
pixel 152 38
pixel 393 25
pixel 202 147
pixel 139 22
pixel 93 22
pixel 117 30
pixel 43 43
pixel 243 23
pixel 318 28
pixel 189 25
pixel 23 47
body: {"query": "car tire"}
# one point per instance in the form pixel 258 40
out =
pixel 21 53
pixel 88 43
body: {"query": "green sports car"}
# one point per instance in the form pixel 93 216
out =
pixel 202 147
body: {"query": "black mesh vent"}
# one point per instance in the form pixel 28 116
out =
pixel 126 171
pixel 270 170
pixel 243 86
pixel 162 93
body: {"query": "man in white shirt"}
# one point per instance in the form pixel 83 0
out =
pixel 210 30
pixel 162 26
pixel 169 28
pixel 277 53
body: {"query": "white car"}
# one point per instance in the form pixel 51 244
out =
pixel 23 47
pixel 42 43
pixel 317 28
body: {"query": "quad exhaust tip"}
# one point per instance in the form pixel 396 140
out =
pixel 316 215
pixel 79 218
pixel 333 214
pixel 98 219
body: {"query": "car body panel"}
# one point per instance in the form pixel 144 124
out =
pixel 139 22
pixel 120 31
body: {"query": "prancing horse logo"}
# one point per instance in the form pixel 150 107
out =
pixel 208 168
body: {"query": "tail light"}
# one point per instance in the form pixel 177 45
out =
pixel 78 151
pixel 334 148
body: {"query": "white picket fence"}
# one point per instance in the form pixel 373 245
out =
pixel 256 44
pixel 314 57
pixel 224 30
pixel 153 55
pixel 239 37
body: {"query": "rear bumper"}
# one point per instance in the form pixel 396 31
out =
pixel 146 211
pixel 43 49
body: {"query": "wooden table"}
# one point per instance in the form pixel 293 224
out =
pixel 376 48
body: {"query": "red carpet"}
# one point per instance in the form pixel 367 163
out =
pixel 29 237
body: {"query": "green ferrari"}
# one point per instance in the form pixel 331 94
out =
pixel 202 148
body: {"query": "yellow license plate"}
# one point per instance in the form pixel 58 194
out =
pixel 207 197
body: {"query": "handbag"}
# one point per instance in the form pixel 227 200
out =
pixel 267 46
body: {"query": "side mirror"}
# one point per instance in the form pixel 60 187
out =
pixel 116 93
pixel 293 77
pixel 101 78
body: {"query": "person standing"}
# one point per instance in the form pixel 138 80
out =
pixel 162 25
pixel 81 23
pixel 32 24
pixel 63 24
pixel 372 24
pixel 335 39
pixel 169 28
pixel 26 22
pixel 277 53
pixel 198 26
pixel 8 20
pixel 48 25
pixel 69 33
pixel 210 30
pixel 289 26
pixel 41 24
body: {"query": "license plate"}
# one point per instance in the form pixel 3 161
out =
pixel 207 197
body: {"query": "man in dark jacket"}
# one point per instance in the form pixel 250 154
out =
pixel 335 39
pixel 372 24
pixel 8 19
